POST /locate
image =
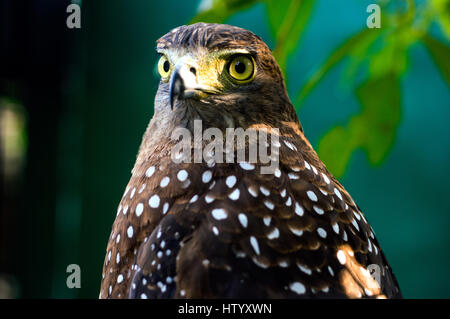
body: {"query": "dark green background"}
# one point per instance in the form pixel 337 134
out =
pixel 108 101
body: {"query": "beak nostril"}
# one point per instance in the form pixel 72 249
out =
pixel 182 80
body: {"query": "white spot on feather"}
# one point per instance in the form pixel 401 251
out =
pixel 253 191
pixel 289 201
pixel 235 194
pixel 277 173
pixel 297 287
pixel 193 199
pixel 335 228
pixel 182 175
pixel 293 176
pixel 209 199
pixel 341 257
pixel 139 209
pixel 243 220
pixel 154 201
pixel 295 231
pixel 318 210
pixel 338 193
pixel 219 213
pixel 322 232
pixel 254 243
pixel 165 208
pixel 274 234
pixel 264 190
pixel 312 196
pixel 305 269
pixel 130 231
pixel 150 171
pixel 230 181
pixel 354 223
pixel 269 204
pixel 290 145
pixel 246 166
pixel 206 176
pixel 299 209
pixel 142 188
pixel 165 181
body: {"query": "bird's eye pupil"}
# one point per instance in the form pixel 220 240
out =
pixel 240 67
pixel 166 66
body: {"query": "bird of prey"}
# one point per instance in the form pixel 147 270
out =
pixel 206 228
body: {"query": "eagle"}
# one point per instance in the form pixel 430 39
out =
pixel 204 215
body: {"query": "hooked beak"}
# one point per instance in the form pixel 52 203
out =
pixel 183 84
pixel 182 80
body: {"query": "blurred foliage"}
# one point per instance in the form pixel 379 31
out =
pixel 287 20
pixel 381 53
pixel 217 11
pixel 13 138
pixel 440 54
pixel 372 130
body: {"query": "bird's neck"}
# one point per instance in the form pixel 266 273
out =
pixel 169 127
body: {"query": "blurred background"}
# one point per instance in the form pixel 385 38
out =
pixel 74 103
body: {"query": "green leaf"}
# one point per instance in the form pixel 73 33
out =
pixel 441 9
pixel 350 46
pixel 373 129
pixel 392 57
pixel 440 54
pixel 336 148
pixel 380 99
pixel 217 11
pixel 287 19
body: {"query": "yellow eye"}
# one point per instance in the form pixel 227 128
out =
pixel 164 67
pixel 242 68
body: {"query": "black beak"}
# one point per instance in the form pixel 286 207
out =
pixel 176 87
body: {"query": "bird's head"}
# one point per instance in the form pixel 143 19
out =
pixel 224 75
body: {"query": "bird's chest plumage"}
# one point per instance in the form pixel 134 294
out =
pixel 227 230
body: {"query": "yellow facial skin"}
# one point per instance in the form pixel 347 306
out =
pixel 215 72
